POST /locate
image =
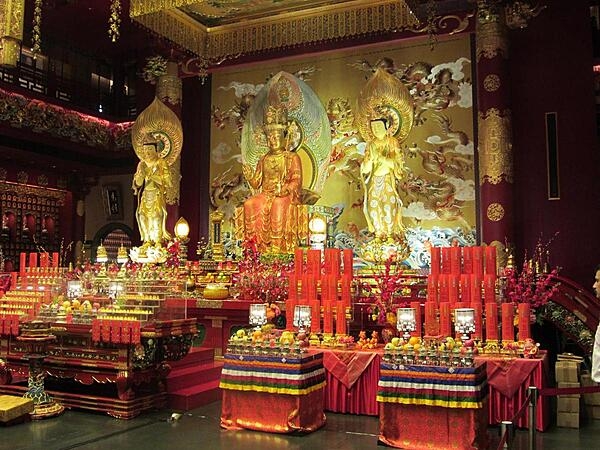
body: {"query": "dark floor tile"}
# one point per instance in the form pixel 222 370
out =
pixel 199 429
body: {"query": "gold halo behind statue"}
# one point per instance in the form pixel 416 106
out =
pixel 385 96
pixel 159 124
pixel 308 130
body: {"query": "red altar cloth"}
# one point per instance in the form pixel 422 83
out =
pixel 422 427
pixel 351 381
pixel 425 407
pixel 274 413
pixel 273 393
pixel 508 380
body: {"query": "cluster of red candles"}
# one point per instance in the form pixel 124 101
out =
pixel 458 278
pixel 328 273
pixel 45 262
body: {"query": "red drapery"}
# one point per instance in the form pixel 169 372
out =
pixel 351 381
pixel 508 381
pixel 274 413
pixel 425 427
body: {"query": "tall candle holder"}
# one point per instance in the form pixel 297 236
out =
pixel 258 315
pixel 406 321
pixel 302 319
pixel 464 322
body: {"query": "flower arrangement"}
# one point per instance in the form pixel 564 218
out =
pixel 386 291
pixel 533 283
pixel 156 66
pixel 172 254
pixel 262 278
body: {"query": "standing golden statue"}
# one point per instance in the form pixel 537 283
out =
pixel 150 184
pixel 381 168
pixel 157 139
pixel 271 214
pixel 384 118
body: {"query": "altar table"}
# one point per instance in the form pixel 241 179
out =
pixel 424 407
pixel 273 393
pixel 351 381
pixel 509 380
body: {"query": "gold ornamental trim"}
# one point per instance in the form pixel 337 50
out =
pixel 495 212
pixel 491 39
pixel 141 7
pixel 336 21
pixel 495 147
pixel 11 18
pixel 11 31
pixel 178 27
pixel 491 82
pixel 27 189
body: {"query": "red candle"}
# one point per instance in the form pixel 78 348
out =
pixel 327 261
pixel 465 288
pixel 418 319
pixel 524 321
pixel 311 288
pixel 348 259
pixel 22 263
pixel 490 260
pixel 478 261
pixel 475 289
pixel 315 316
pixel 292 287
pixel 432 323
pixel 55 259
pixel 33 260
pixel 432 289
pixel 508 322
pixel 467 259
pixel 13 280
pixel 453 285
pixel 478 319
pixel 340 318
pixel 435 260
pixel 290 305
pixel 336 262
pixel 489 288
pixel 446 267
pixel 333 288
pixel 325 294
pixel 313 262
pixel 298 263
pixel 455 260
pixel 491 322
pixel 327 317
pixel 303 300
pixel 443 288
pixel 445 323
pixel 346 292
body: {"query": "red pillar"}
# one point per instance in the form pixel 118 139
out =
pixel 494 124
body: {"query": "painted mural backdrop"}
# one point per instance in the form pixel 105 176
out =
pixel 438 191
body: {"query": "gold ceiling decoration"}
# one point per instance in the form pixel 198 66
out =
pixel 114 20
pixel 228 28
pixel 11 31
pixel 36 31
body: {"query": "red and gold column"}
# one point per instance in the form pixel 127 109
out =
pixel 494 123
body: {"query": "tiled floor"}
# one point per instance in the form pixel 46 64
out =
pixel 199 429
